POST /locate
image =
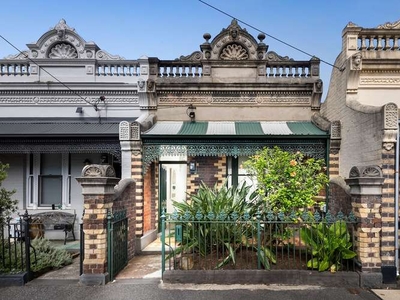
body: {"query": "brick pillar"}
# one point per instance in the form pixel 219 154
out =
pixel 366 193
pixel 98 182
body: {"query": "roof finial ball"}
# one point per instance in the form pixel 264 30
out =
pixel 261 37
pixel 207 36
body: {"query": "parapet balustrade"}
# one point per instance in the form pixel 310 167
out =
pixel 120 68
pixel 375 41
pixel 180 69
pixel 288 69
pixel 13 69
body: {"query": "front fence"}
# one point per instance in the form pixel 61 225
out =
pixel 264 241
pixel 117 230
pixel 15 247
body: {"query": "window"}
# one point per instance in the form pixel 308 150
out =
pixel 48 181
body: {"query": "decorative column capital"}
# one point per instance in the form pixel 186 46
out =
pixel 365 180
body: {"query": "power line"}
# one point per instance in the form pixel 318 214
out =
pixel 59 81
pixel 272 37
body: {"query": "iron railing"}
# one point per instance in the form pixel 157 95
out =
pixel 204 241
pixel 15 246
pixel 117 240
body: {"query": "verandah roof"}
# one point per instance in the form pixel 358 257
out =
pixel 174 138
pixel 230 129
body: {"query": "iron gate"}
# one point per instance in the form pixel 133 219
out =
pixel 117 240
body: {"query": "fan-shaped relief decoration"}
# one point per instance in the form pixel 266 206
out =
pixel 103 55
pixel 372 171
pixel 366 171
pixel 195 56
pixel 354 172
pixel 273 56
pixel 388 25
pixel 98 171
pixel 234 52
pixel 64 51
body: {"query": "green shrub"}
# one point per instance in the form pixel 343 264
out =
pixel 7 205
pixel 328 243
pixel 286 181
pixel 48 256
pixel 221 232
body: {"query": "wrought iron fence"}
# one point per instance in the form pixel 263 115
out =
pixel 15 246
pixel 117 230
pixel 205 241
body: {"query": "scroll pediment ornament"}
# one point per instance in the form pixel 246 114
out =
pixel 195 56
pixel 388 25
pixel 273 56
pixel 63 51
pixel 234 52
pixel 103 55
pixel 21 55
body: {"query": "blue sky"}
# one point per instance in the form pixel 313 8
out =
pixel 169 29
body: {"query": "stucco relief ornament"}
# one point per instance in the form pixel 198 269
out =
pixel 61 28
pixel 356 61
pixel 141 84
pixel 388 25
pixel 63 51
pixel 98 171
pixel 234 52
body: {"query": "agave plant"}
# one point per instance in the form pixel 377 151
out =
pixel 218 220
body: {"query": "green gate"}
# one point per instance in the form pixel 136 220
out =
pixel 117 240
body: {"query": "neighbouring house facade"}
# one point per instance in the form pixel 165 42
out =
pixel 362 102
pixel 171 124
pixel 61 102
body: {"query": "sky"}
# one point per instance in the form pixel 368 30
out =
pixel 169 29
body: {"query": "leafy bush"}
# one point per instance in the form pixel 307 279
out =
pixel 48 256
pixel 222 208
pixel 7 205
pixel 286 181
pixel 329 245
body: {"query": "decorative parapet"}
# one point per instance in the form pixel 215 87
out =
pixel 383 37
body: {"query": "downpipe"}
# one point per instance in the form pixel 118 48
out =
pixel 396 205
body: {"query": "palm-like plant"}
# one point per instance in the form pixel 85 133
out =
pixel 218 220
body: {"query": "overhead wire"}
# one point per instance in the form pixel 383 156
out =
pixel 272 37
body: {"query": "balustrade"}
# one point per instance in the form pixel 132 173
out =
pixel 179 69
pixel 288 70
pixel 378 42
pixel 118 69
pixel 13 69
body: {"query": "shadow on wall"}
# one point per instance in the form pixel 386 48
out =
pixel 339 196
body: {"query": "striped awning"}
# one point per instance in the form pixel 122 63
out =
pixel 243 129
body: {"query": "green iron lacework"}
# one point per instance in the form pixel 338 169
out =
pixel 269 217
pixel 152 153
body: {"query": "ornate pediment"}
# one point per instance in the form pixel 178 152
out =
pixel 388 25
pixel 233 43
pixel 63 42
